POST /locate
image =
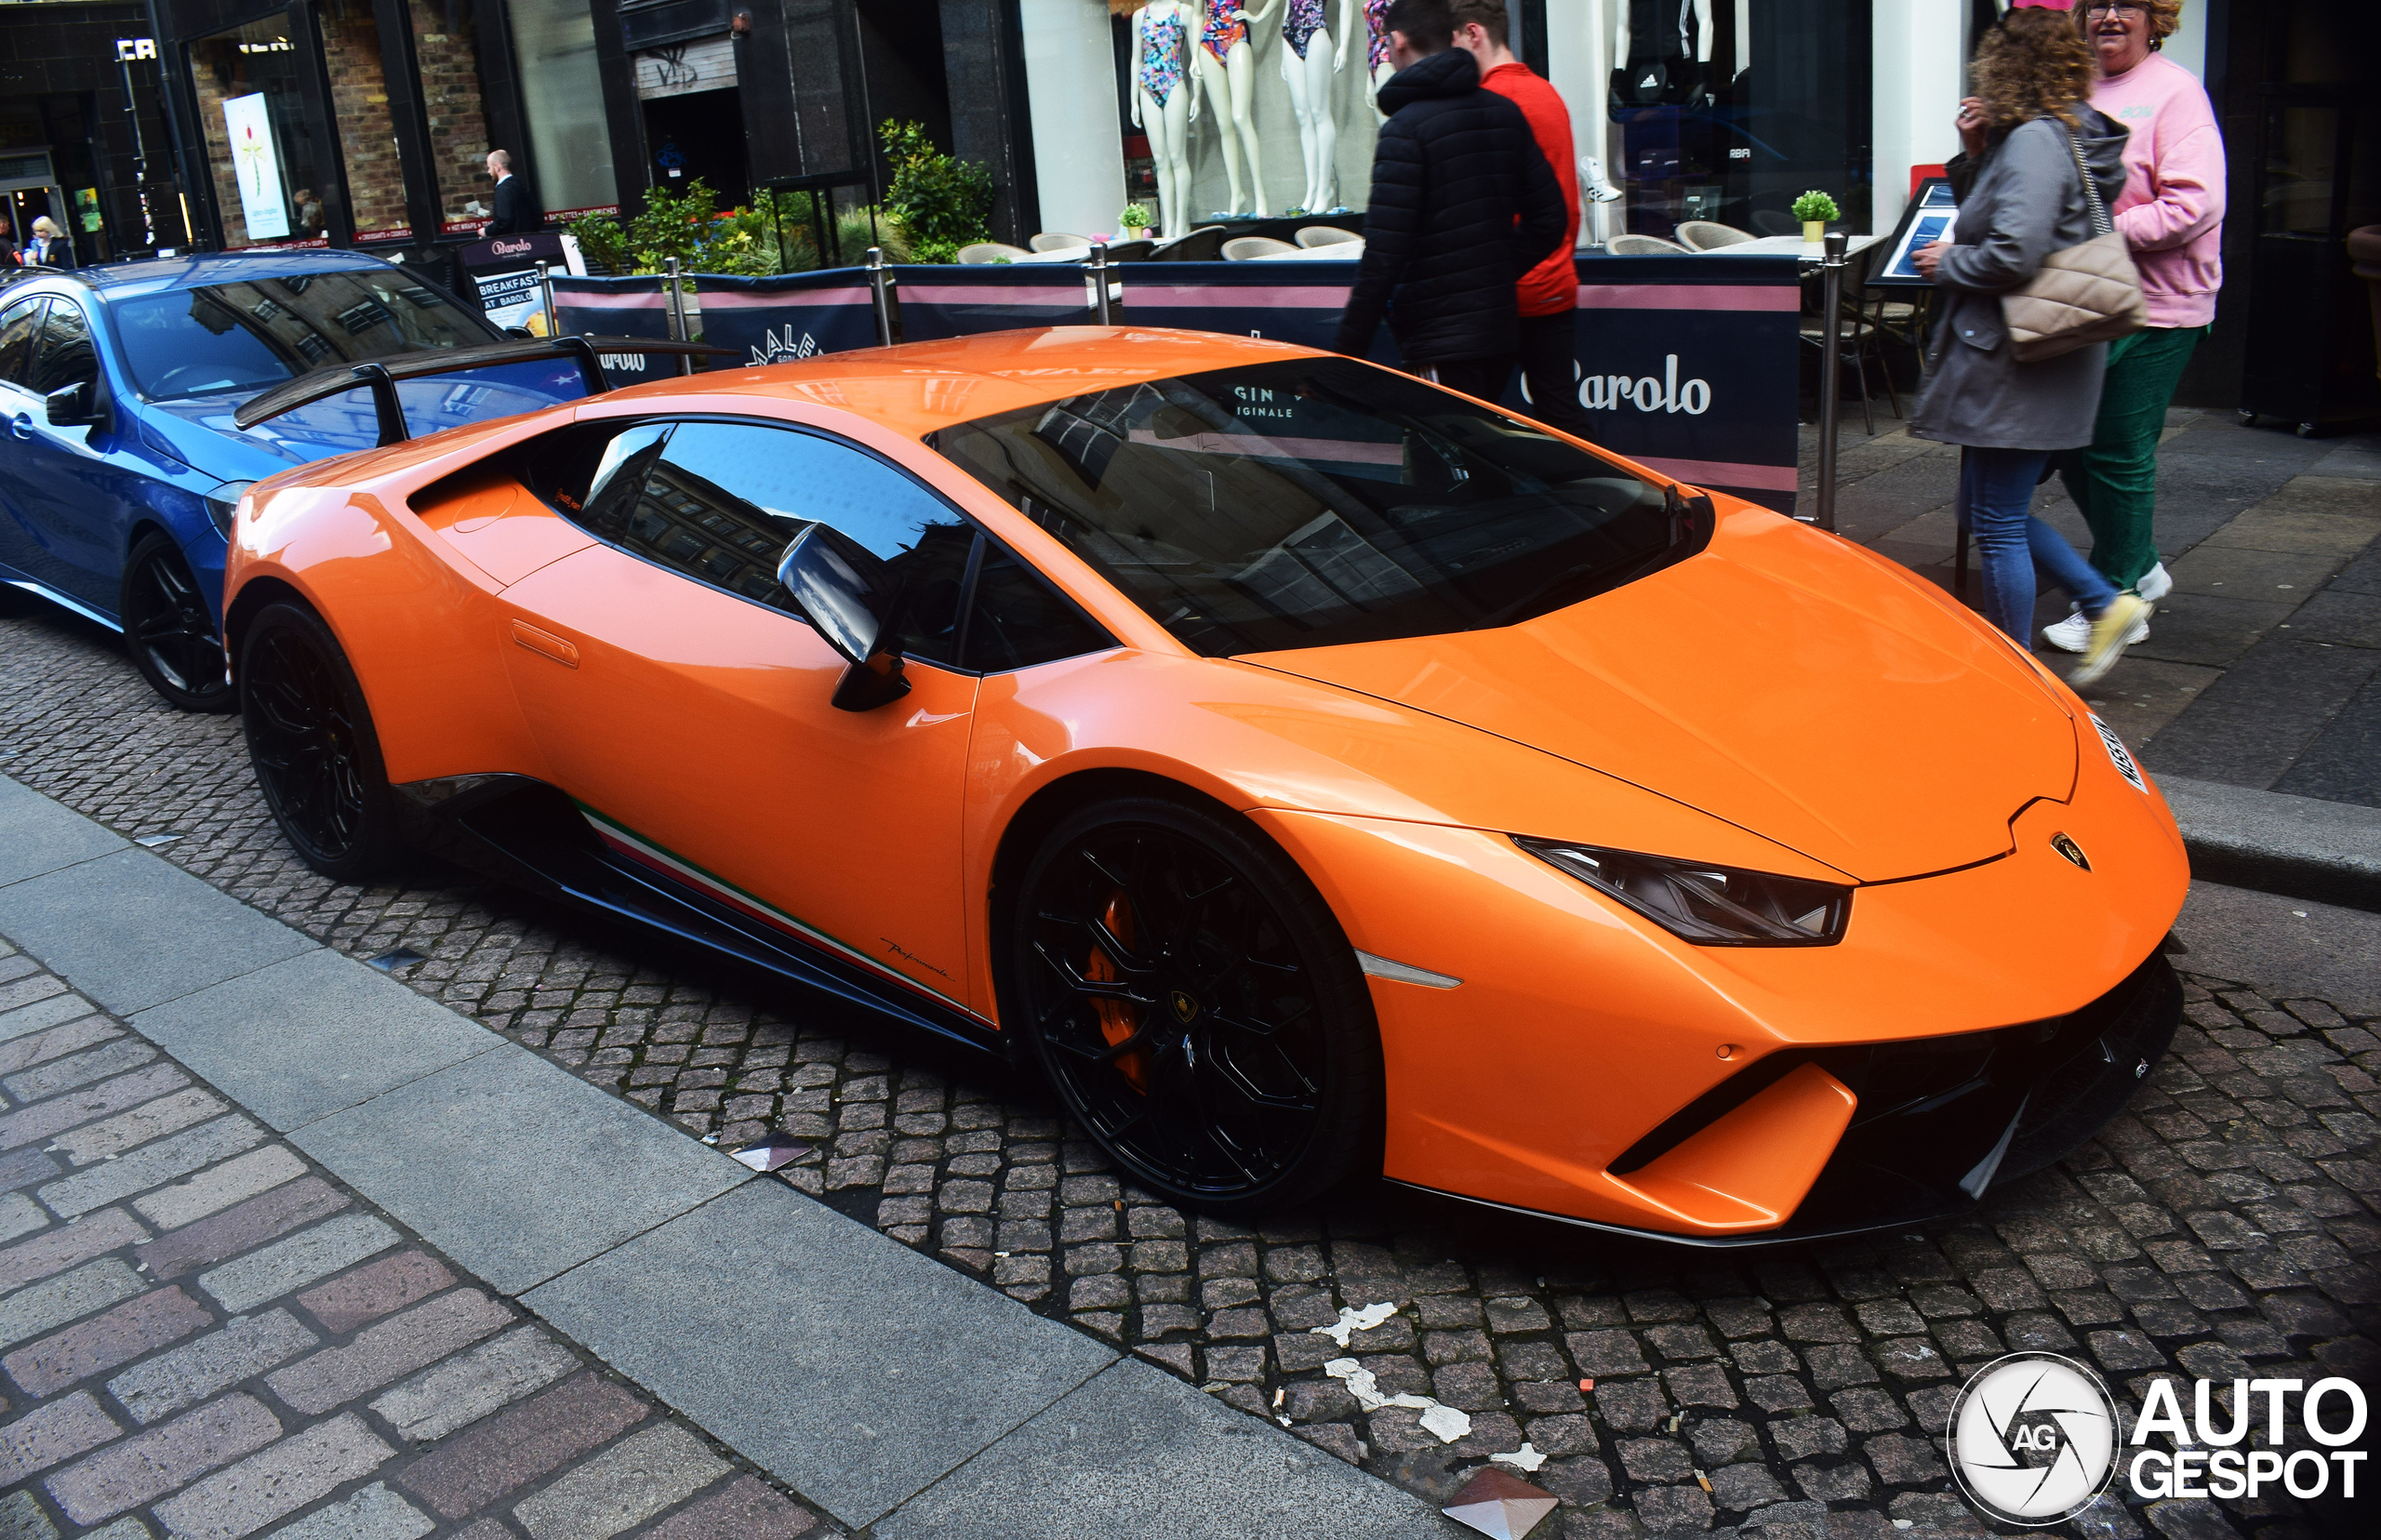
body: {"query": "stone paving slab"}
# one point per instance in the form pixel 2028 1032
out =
pixel 34 838
pixel 842 1361
pixel 313 1035
pixel 1137 1452
pixel 133 932
pixel 519 1169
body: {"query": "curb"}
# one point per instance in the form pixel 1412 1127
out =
pixel 2299 847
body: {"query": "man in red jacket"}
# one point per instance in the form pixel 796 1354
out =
pixel 1549 293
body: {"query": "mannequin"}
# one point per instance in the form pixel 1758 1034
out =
pixel 1377 67
pixel 1225 62
pixel 1310 59
pixel 1652 46
pixel 1591 134
pixel 1165 105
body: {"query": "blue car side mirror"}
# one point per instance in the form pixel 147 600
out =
pixel 75 405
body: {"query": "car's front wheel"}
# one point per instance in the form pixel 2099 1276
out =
pixel 310 736
pixel 1197 1007
pixel 168 630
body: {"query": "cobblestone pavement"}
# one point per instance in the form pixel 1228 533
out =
pixel 204 1333
pixel 2224 1224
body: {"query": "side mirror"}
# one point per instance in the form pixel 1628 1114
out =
pixel 75 405
pixel 828 586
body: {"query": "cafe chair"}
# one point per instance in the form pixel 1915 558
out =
pixel 1131 251
pixel 989 251
pixel 1859 337
pixel 1202 245
pixel 1058 240
pixel 1646 246
pixel 1322 235
pixel 1710 235
pixel 1253 248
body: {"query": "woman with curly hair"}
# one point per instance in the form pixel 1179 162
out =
pixel 2172 215
pixel 2030 134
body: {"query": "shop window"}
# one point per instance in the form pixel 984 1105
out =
pixel 446 48
pixel 367 140
pixel 570 159
pixel 273 180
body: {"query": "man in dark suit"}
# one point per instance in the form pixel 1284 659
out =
pixel 512 215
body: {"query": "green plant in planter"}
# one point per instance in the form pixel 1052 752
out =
pixel 1135 219
pixel 1815 207
pixel 939 202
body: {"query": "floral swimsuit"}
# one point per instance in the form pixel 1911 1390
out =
pixel 1376 22
pixel 1162 54
pixel 1300 22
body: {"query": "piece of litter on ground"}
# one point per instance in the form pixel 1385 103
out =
pixel 1586 1387
pixel 1904 1524
pixel 1499 1504
pixel 154 841
pixel 1525 1458
pixel 770 1153
pixel 710 1138
pixel 1279 1394
pixel 1446 1422
pixel 1354 1321
pixel 390 961
pixel 1702 1481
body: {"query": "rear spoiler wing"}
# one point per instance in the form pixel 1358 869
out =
pixel 380 377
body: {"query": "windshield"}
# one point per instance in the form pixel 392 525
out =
pixel 247 335
pixel 1310 502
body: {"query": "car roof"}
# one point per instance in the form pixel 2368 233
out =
pixel 126 280
pixel 918 387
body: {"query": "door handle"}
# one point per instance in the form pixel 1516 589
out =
pixel 545 644
pixel 21 425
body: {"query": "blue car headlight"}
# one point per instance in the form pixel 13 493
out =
pixel 223 502
pixel 1707 905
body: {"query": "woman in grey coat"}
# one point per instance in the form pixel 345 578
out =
pixel 2023 199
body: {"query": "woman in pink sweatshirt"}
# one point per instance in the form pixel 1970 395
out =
pixel 2172 215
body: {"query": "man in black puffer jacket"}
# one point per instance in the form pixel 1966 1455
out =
pixel 1463 203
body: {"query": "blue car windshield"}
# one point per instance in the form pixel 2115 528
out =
pixel 247 336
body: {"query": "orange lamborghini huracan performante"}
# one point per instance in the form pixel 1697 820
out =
pixel 1311 771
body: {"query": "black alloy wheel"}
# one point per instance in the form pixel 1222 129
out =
pixel 168 630
pixel 311 739
pixel 1197 1007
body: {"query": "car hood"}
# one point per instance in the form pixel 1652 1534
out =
pixel 1783 680
pixel 199 431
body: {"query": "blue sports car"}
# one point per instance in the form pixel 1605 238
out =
pixel 121 464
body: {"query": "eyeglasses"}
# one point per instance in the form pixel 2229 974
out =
pixel 2129 12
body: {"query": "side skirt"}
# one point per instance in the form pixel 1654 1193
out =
pixel 43 591
pixel 530 834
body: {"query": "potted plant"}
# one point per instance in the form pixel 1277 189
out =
pixel 1815 209
pixel 1135 221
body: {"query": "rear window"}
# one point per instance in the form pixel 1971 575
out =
pixel 1311 502
pixel 247 335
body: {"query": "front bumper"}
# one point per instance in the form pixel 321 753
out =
pixel 1941 1120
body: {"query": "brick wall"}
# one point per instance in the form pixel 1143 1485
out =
pixel 376 187
pixel 449 63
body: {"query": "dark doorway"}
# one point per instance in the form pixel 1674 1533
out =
pixel 901 52
pixel 699 134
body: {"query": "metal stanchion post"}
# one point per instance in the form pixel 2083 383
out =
pixel 546 292
pixel 1830 372
pixel 678 318
pixel 880 284
pixel 1097 270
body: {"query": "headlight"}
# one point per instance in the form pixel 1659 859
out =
pixel 1710 906
pixel 223 502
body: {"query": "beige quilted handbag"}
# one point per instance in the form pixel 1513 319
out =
pixel 2085 294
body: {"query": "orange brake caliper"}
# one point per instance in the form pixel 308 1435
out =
pixel 1117 1019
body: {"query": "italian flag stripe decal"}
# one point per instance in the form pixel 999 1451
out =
pixel 626 842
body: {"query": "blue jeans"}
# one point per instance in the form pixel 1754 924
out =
pixel 1996 505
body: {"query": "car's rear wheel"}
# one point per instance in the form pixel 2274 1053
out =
pixel 168 630
pixel 310 736
pixel 1197 1007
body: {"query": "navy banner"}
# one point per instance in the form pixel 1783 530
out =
pixel 792 316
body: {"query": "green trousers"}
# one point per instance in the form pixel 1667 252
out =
pixel 2114 483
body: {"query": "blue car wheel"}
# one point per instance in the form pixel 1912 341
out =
pixel 170 631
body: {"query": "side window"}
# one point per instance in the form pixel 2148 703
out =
pixel 720 501
pixel 19 325
pixel 1019 620
pixel 64 356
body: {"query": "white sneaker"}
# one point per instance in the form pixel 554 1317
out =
pixel 2072 634
pixel 2154 584
pixel 2119 627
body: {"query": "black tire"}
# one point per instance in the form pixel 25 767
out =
pixel 1234 1064
pixel 170 631
pixel 311 739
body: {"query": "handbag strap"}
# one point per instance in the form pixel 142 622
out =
pixel 2101 224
